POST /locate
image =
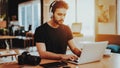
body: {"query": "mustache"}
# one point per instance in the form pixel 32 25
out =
pixel 61 20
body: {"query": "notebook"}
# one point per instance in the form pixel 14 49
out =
pixel 54 65
pixel 91 52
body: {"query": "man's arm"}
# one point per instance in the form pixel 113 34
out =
pixel 74 49
pixel 49 55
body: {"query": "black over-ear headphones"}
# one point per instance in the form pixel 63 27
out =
pixel 51 8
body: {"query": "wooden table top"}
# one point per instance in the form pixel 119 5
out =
pixel 7 37
pixel 4 52
pixel 13 37
pixel 107 62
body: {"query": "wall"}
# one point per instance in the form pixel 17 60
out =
pixel 118 16
pixel 13 7
pixel 108 25
pixel 46 16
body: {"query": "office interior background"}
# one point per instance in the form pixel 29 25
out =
pixel 91 20
pixel 94 16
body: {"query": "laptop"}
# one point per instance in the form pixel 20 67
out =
pixel 91 52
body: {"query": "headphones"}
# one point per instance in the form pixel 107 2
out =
pixel 51 8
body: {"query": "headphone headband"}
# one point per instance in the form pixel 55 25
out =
pixel 51 5
pixel 57 4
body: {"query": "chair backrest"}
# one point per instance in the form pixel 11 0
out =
pixel 112 38
pixel 29 34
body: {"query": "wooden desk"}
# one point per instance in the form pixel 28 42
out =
pixel 26 39
pixel 8 37
pixel 22 41
pixel 107 62
pixel 4 53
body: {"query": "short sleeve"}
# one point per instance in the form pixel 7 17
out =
pixel 39 35
pixel 69 34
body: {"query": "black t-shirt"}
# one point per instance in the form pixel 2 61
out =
pixel 55 39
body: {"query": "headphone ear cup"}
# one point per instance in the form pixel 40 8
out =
pixel 51 7
pixel 51 14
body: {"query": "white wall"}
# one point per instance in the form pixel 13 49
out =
pixel 46 14
pixel 118 16
pixel 85 15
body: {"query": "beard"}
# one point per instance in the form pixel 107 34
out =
pixel 58 21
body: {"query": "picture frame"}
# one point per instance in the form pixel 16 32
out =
pixel 103 14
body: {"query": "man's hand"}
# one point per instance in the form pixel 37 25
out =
pixel 69 57
pixel 78 52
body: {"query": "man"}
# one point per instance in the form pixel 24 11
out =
pixel 53 36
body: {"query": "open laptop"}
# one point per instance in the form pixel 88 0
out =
pixel 91 52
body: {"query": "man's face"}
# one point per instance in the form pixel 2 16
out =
pixel 59 15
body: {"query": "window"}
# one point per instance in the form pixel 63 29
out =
pixel 29 14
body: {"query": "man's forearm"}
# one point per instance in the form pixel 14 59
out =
pixel 50 55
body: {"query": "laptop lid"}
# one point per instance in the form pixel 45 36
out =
pixel 92 52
